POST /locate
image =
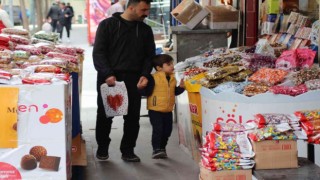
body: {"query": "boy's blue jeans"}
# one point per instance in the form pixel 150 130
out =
pixel 161 128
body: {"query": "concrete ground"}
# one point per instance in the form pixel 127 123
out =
pixel 179 165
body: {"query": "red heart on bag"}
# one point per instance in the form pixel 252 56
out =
pixel 115 101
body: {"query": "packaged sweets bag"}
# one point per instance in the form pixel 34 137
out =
pixel 115 99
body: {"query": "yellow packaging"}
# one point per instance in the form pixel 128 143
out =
pixel 273 6
pixel 8 119
pixel 192 85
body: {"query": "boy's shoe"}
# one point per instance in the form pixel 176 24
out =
pixel 130 157
pixel 165 153
pixel 158 154
pixel 102 154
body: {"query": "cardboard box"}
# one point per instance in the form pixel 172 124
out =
pixel 190 13
pixel 275 154
pixel 206 174
pixel 223 17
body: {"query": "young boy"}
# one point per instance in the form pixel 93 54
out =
pixel 161 90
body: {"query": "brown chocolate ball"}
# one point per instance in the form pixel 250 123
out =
pixel 28 162
pixel 14 127
pixel 38 152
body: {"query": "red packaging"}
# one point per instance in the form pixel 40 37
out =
pixel 287 60
pixel 305 57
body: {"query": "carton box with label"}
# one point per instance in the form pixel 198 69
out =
pixel 206 174
pixel 223 17
pixel 189 13
pixel 274 154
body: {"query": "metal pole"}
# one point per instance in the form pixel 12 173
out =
pixel 11 11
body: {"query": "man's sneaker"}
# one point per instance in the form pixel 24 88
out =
pixel 102 154
pixel 130 158
pixel 165 153
pixel 158 154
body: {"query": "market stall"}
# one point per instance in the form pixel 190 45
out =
pixel 47 76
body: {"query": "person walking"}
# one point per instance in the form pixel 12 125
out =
pixel 117 7
pixel 53 16
pixel 161 91
pixel 72 12
pixel 123 49
pixel 64 20
pixel 4 19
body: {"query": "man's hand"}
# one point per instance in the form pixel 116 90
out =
pixel 142 82
pixel 111 81
pixel 182 84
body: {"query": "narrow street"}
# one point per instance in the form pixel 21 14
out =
pixel 179 165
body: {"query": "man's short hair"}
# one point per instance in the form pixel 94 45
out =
pixel 134 2
pixel 160 59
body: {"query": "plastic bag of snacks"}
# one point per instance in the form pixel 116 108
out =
pixel 311 125
pixel 258 61
pixel 115 99
pixel 238 77
pixel 47 69
pixel 263 47
pixel 291 91
pixel 270 118
pixel 306 74
pixel 270 133
pixel 232 127
pixel 6 54
pixel 45 47
pixel 308 115
pixel 53 37
pixel 38 78
pixel 305 57
pixel 268 76
pixel 34 58
pixel 223 72
pixel 287 61
pixel 29 48
pixel 5 75
pixel 56 62
pixel 230 87
pixel 15 31
pixel 69 58
pixel 254 89
pixel 313 84
pixel 18 54
pixel 218 164
pixel 19 39
pixel 63 76
pixel 66 50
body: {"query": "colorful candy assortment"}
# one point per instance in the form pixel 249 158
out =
pixel 310 123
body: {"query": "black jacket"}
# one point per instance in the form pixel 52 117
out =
pixel 54 12
pixel 63 20
pixel 123 47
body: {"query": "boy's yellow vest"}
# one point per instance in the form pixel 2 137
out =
pixel 162 98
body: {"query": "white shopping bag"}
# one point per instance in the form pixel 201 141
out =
pixel 115 99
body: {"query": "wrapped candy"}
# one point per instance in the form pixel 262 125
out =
pixel 311 125
pixel 226 164
pixel 265 119
pixel 6 54
pixel 306 74
pixel 238 77
pixel 268 76
pixel 192 71
pixel 314 139
pixel 291 91
pixel 79 50
pixel 17 55
pixel 313 84
pixel 254 89
pixel 258 61
pixel 48 69
pixel 63 76
pixel 308 115
pixel 305 57
pixel 15 31
pixel 53 37
pixel 230 87
pixel 45 47
pixel 19 39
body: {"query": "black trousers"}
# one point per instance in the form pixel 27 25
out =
pixel 131 120
pixel 161 128
pixel 60 29
pixel 54 24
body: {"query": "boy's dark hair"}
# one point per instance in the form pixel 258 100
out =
pixel 160 59
pixel 135 2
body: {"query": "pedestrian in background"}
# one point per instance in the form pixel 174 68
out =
pixel 123 49
pixel 117 7
pixel 71 9
pixel 4 19
pixel 53 16
pixel 64 20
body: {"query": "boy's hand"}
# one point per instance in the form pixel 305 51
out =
pixel 111 81
pixel 182 84
pixel 142 82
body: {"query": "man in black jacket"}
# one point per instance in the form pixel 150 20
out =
pixel 123 49
pixel 53 14
pixel 64 20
